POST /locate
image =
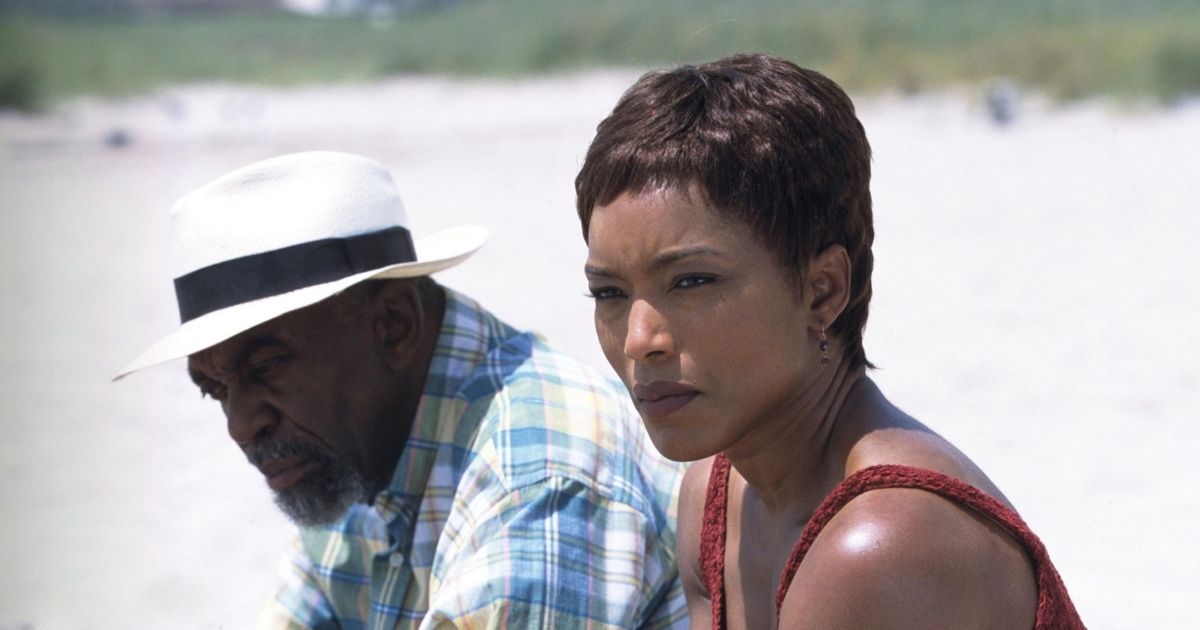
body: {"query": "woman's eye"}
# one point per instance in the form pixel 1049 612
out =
pixel 688 282
pixel 603 293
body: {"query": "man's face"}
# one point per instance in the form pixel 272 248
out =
pixel 305 397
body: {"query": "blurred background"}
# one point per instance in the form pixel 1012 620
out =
pixel 1067 49
pixel 1035 193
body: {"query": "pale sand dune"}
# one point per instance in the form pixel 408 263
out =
pixel 1034 302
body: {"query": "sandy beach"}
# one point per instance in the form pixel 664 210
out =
pixel 1034 302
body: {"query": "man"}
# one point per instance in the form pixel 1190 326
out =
pixel 444 468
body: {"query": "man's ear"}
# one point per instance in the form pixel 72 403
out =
pixel 398 322
pixel 828 288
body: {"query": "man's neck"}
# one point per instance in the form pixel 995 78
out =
pixel 409 388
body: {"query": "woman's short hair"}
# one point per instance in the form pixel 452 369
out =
pixel 773 145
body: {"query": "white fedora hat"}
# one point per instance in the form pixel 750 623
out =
pixel 285 233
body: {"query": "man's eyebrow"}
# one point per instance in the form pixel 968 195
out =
pixel 247 350
pixel 197 376
pixel 254 344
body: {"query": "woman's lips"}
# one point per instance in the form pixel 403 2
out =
pixel 283 473
pixel 663 398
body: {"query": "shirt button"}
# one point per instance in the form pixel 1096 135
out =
pixel 396 560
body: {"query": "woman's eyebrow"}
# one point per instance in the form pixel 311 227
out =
pixel 596 271
pixel 664 259
pixel 673 256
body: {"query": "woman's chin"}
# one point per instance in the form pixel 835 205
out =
pixel 680 446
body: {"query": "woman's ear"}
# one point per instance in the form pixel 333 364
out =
pixel 828 290
pixel 398 322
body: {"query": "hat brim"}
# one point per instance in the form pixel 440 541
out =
pixel 435 252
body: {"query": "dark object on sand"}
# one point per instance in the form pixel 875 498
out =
pixel 1002 97
pixel 118 137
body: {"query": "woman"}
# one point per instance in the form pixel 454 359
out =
pixel 727 213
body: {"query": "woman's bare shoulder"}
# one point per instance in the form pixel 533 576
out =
pixel 909 558
pixel 906 441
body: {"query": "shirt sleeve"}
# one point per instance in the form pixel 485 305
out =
pixel 554 554
pixel 299 602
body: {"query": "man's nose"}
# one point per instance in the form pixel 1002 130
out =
pixel 247 414
pixel 647 337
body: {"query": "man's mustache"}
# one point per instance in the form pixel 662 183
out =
pixel 265 450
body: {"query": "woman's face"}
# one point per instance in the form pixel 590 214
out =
pixel 699 320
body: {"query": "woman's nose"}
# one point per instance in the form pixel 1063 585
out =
pixel 647 337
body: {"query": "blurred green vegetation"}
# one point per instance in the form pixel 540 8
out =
pixel 1068 49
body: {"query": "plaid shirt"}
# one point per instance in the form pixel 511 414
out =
pixel 527 496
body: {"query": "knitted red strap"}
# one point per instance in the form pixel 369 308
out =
pixel 712 538
pixel 1054 610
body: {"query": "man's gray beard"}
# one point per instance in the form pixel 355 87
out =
pixel 322 497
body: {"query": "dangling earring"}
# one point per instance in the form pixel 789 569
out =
pixel 823 344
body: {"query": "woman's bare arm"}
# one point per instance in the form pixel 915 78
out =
pixel 687 545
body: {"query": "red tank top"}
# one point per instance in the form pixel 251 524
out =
pixel 1054 608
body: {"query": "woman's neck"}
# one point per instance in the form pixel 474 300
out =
pixel 792 464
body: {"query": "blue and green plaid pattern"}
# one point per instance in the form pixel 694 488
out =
pixel 528 496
